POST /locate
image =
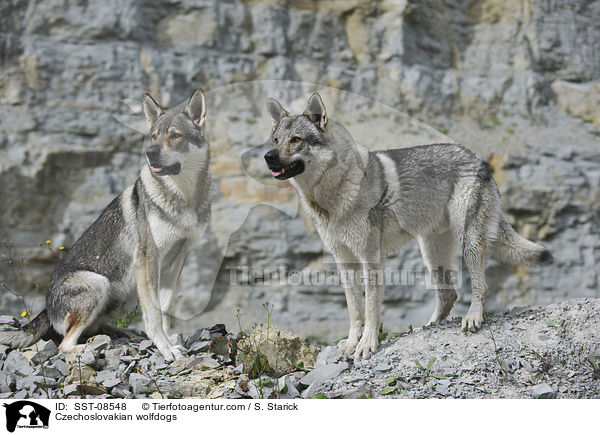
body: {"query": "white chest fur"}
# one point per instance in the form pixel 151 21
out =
pixel 183 226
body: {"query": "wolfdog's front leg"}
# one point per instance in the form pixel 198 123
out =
pixel 169 278
pixel 349 270
pixel 146 273
pixel 367 345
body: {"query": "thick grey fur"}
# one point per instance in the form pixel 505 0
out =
pixel 140 240
pixel 368 204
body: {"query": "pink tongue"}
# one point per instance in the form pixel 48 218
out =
pixel 157 169
pixel 276 173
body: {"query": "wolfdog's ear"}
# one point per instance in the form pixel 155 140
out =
pixel 315 110
pixel 151 109
pixel 276 110
pixel 196 107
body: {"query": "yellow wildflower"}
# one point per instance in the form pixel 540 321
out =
pixel 24 313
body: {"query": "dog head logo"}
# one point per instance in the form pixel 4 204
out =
pixel 26 414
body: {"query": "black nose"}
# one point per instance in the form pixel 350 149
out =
pixel 153 152
pixel 272 157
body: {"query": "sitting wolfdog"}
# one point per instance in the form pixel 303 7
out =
pixel 141 239
pixel 367 204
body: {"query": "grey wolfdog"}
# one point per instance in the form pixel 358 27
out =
pixel 141 239
pixel 367 204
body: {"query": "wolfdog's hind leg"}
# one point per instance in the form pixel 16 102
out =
pixel 438 253
pixel 79 300
pixel 75 324
pixel 69 343
pixel 474 255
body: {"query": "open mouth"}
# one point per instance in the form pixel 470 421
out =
pixel 173 169
pixel 283 173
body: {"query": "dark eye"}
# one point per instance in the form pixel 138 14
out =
pixel 275 140
pixel 295 139
pixel 175 135
pixel 154 136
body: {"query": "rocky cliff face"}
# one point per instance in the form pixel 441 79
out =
pixel 518 82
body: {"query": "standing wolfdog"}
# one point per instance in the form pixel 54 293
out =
pixel 140 240
pixel 367 204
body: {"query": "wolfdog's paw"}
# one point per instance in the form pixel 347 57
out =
pixel 175 338
pixel 179 351
pixel 437 316
pixel 71 348
pixel 435 319
pixel 173 353
pixel 445 301
pixel 348 345
pixel 472 321
pixel 367 344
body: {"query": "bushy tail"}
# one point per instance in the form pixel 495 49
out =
pixel 511 248
pixel 35 330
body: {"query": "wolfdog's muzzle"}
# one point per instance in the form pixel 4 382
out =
pixel 153 156
pixel 281 170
